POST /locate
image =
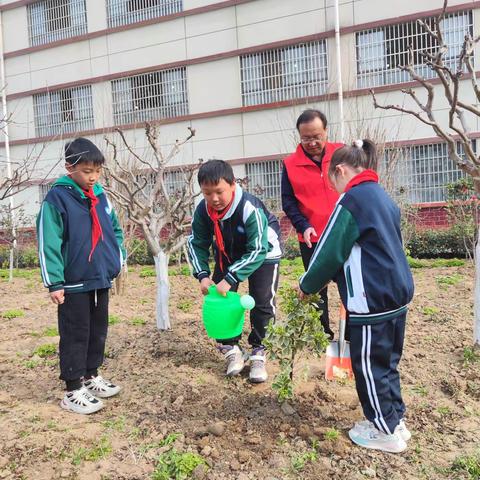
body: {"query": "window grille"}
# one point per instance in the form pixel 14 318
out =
pixel 381 51
pixel 52 20
pixel 63 111
pixel 283 74
pixel 43 189
pixel 264 180
pixel 150 96
pixel 423 171
pixel 124 12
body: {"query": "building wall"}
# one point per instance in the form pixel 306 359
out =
pixel 207 38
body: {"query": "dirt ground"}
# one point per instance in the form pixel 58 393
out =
pixel 173 383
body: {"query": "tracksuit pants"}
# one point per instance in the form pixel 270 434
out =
pixel 82 325
pixel 376 351
pixel 306 254
pixel 262 286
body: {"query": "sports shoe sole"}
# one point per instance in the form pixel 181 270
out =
pixel 384 448
pixel 69 408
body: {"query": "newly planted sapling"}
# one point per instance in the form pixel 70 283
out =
pixel 300 332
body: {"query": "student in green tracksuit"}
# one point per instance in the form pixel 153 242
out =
pixel 246 246
pixel 80 245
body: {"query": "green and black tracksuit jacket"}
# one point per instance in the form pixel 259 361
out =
pixel 361 249
pixel 64 231
pixel 251 235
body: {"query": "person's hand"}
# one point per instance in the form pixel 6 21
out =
pixel 204 284
pixel 223 287
pixel 307 234
pixel 300 294
pixel 57 297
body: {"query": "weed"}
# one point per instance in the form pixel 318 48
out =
pixel 444 411
pixel 52 425
pixel 332 434
pixel 50 332
pixel 183 270
pixel 299 460
pixel 169 439
pixel 99 451
pixel 113 319
pixel 185 305
pixel 448 262
pixel 430 311
pixel 470 355
pixel 174 465
pixel 31 363
pixel 469 464
pixel 117 424
pixel 9 314
pixel 420 390
pixel 449 279
pixel 46 350
pixel 138 321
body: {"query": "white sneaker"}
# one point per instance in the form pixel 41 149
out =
pixel 234 357
pixel 99 387
pixel 402 429
pixel 377 440
pixel 81 401
pixel 258 372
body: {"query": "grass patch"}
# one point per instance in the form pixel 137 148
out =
pixel 31 364
pixel 420 390
pixel 417 263
pixel 467 464
pixel 46 350
pixel 99 451
pixel 113 319
pixel 299 460
pixel 183 270
pixel 117 424
pixel 449 280
pixel 448 262
pixel 185 305
pixel 14 313
pixel 147 272
pixel 332 434
pixel 176 465
pixel 50 332
pixel 19 273
pixel 138 321
pixel 470 355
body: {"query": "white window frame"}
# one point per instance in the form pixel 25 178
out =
pixel 264 181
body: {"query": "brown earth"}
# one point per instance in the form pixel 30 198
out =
pixel 173 383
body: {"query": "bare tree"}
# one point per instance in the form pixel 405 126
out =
pixel 139 188
pixel 457 132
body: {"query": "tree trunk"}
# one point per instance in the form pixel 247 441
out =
pixel 163 290
pixel 10 267
pixel 476 307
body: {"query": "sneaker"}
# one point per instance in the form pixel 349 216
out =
pixel 377 440
pixel 81 401
pixel 234 357
pixel 99 387
pixel 402 429
pixel 258 372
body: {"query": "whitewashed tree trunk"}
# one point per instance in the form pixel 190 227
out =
pixel 476 305
pixel 163 290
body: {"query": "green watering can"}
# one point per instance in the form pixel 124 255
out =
pixel 223 317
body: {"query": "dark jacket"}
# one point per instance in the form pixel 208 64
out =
pixel 251 235
pixel 361 249
pixel 64 231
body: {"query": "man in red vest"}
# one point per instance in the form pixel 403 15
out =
pixel 308 198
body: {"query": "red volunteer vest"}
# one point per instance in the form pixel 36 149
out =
pixel 315 194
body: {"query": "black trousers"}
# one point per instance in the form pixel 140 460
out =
pixel 376 350
pixel 83 325
pixel 262 286
pixel 306 254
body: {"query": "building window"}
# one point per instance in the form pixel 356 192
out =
pixel 297 71
pixel 52 20
pixel 381 51
pixel 150 96
pixel 264 180
pixel 43 189
pixel 422 173
pixel 63 111
pixel 124 12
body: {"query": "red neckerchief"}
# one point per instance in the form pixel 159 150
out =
pixel 365 176
pixel 96 227
pixel 216 216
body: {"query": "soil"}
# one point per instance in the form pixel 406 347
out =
pixel 173 382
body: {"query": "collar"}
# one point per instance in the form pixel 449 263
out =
pixel 364 176
pixel 303 158
pixel 66 181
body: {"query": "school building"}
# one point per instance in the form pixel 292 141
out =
pixel 238 71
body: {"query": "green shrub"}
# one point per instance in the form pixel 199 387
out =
pixel 291 248
pixel 174 465
pixel 138 253
pixel 25 257
pixel 440 243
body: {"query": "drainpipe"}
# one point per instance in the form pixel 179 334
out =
pixel 3 86
pixel 339 73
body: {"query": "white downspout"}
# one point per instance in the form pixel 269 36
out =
pixel 3 86
pixel 339 73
